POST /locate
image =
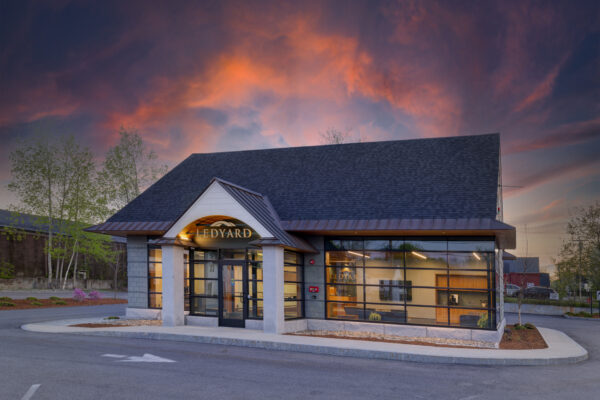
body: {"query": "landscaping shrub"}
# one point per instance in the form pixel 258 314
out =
pixel 78 295
pixel 519 327
pixel 374 316
pixel 31 298
pixel 5 298
pixel 584 314
pixel 7 270
pixel 60 302
pixel 112 318
pixel 95 295
pixel 529 326
pixel 4 303
pixel 482 322
pixel 36 303
pixel 54 298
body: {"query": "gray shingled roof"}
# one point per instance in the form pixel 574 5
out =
pixel 25 222
pixel 454 177
pixel 31 223
pixel 261 209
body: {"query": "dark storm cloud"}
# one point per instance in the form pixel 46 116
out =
pixel 206 76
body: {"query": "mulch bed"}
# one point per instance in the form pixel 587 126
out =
pixel 97 325
pixel 24 304
pixel 119 323
pixel 522 339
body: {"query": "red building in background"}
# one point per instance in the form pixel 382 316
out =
pixel 524 271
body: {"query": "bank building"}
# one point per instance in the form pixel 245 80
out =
pixel 400 236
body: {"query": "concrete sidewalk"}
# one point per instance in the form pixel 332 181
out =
pixel 562 349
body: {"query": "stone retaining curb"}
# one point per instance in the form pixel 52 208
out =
pixel 562 349
pixel 581 318
pixel 542 309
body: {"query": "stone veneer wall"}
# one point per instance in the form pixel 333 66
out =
pixel 314 275
pixel 137 271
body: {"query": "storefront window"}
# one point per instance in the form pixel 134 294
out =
pixel 255 287
pixel 154 277
pixel 186 281
pixel 204 293
pixel 414 281
pixel 293 285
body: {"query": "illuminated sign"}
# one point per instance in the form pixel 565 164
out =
pixel 223 230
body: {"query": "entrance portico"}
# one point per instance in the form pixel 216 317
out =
pixel 220 223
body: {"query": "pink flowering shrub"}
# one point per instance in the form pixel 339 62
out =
pixel 78 295
pixel 95 295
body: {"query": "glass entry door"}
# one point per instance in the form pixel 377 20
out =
pixel 231 295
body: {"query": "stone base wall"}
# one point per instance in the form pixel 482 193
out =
pixel 142 313
pixel 254 324
pixel 477 335
pixel 195 320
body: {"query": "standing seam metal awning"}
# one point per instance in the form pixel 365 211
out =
pixel 505 234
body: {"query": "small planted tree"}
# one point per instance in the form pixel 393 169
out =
pixel 522 278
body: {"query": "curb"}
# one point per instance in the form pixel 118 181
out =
pixel 577 354
pixel 581 318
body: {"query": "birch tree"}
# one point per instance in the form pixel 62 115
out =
pixel 34 181
pixel 55 180
pixel 128 168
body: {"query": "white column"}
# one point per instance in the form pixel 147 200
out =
pixel 273 312
pixel 172 286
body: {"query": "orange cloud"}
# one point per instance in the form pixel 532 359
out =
pixel 292 61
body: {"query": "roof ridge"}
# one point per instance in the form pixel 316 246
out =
pixel 353 143
pixel 223 181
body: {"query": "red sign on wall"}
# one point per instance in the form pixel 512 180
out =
pixel 313 289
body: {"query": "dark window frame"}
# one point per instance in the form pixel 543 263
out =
pixel 490 276
pixel 299 275
pixel 247 262
pixel 150 293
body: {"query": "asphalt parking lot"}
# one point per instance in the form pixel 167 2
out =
pixel 83 367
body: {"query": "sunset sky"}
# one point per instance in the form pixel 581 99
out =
pixel 216 76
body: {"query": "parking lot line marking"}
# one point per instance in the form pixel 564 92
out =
pixel 147 358
pixel 31 391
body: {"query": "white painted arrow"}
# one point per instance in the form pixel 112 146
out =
pixel 146 358
pixel 114 355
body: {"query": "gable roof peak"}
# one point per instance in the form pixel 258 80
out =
pixel 224 182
